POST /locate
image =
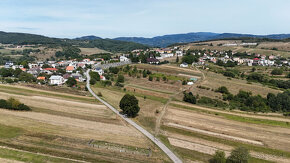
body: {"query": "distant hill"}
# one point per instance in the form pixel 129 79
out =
pixel 87 41
pixel 24 38
pixel 163 41
pixel 91 37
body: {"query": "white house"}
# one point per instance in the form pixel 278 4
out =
pixel 56 80
pixel 183 65
pixel 123 59
pixel 99 70
pixel 179 53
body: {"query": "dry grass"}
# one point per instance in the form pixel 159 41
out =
pixel 64 127
pixel 216 124
pixel 90 51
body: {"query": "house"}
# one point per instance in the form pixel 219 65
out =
pixel 183 64
pixel 41 78
pixel 78 77
pixel 70 69
pixel 99 70
pixel 51 69
pixel 32 65
pixel 152 61
pixel 56 80
pixel 123 59
pixel 166 55
pixel 179 53
pixel 8 64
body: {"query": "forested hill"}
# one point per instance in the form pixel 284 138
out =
pixel 25 38
pixel 105 44
pixel 163 41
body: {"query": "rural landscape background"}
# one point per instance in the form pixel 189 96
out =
pixel 144 81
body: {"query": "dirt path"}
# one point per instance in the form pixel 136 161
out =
pixel 211 150
pixel 216 134
pixel 163 111
pixel 41 154
pixel 233 113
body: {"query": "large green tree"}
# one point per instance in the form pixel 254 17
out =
pixel 71 82
pixel 129 105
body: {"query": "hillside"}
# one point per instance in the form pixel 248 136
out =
pixel 25 38
pixel 82 42
pixel 163 41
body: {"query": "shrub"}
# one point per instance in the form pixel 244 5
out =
pixel 93 81
pixel 223 90
pixel 189 97
pixel 277 71
pixel 120 79
pixel 23 107
pixel 150 78
pixel 240 155
pixel 219 157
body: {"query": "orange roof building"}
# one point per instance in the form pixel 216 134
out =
pixel 70 68
pixel 41 78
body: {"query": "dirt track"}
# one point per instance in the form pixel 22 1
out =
pixel 211 150
pixel 235 113
pixel 210 122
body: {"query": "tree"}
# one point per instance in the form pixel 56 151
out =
pixel 189 97
pixel 129 105
pixel 150 78
pixel 219 157
pixel 26 77
pixel 239 155
pixel 71 82
pixel 253 69
pixel 95 76
pixel 223 90
pixel 120 79
pixel 13 103
pixel 277 71
pixel 93 81
pixel 177 59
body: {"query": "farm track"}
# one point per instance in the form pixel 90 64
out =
pixel 207 149
pixel 235 113
pixel 166 150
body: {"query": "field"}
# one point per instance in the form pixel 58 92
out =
pixel 90 51
pixel 195 132
pixel 68 128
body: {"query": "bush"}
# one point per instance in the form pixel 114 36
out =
pixel 23 107
pixel 239 155
pixel 219 157
pixel 189 97
pixel 129 105
pixel 277 71
pixel 93 81
pixel 119 84
pixel 223 90
pixel 120 79
pixel 150 78
pixel 13 104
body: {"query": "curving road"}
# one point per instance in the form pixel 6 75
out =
pixel 167 151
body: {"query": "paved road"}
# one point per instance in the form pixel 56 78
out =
pixel 169 153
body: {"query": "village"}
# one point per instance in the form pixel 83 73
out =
pixel 58 72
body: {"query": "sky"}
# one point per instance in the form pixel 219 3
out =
pixel 143 18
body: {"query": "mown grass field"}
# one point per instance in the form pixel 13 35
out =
pixel 68 128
